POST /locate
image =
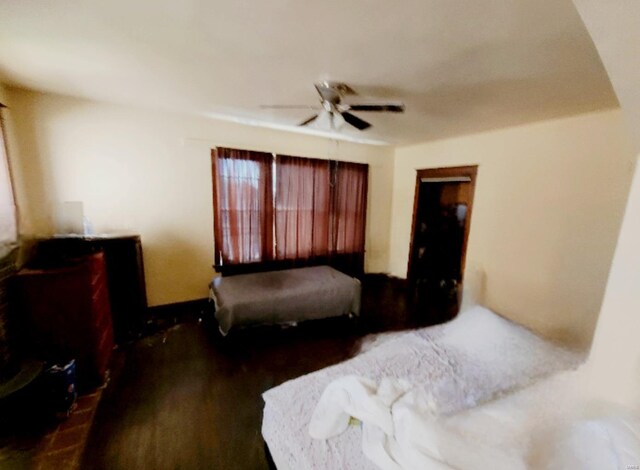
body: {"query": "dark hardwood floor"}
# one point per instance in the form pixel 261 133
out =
pixel 185 398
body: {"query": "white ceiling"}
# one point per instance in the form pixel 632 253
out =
pixel 460 66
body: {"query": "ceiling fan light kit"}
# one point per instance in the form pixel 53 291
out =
pixel 338 112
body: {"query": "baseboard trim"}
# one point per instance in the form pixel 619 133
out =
pixel 398 281
pixel 179 309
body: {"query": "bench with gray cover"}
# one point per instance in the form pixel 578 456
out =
pixel 282 297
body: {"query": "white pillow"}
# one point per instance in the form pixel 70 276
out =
pixel 598 444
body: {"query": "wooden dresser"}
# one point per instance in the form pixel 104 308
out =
pixel 65 312
pixel 125 274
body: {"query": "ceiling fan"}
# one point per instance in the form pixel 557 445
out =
pixel 336 112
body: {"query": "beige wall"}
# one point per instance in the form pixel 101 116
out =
pixel 548 205
pixel 614 363
pixel 149 172
pixel 614 27
pixel 615 354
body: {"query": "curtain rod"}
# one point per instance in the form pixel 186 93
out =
pixel 214 144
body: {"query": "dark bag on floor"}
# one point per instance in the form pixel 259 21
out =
pixel 61 388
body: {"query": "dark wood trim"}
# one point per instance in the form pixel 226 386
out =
pixel 162 317
pixel 268 224
pixel 364 221
pixel 217 230
pixel 178 308
pixel 470 171
pixel 396 282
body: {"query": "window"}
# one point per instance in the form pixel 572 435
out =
pixel 243 206
pixel 288 211
pixel 8 226
pixel 302 207
pixel 350 204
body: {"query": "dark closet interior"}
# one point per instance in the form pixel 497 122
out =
pixel 441 221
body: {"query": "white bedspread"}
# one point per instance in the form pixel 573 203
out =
pixel 470 360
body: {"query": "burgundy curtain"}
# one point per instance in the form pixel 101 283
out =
pixel 243 206
pixel 350 206
pixel 316 210
pixel 348 216
pixel 302 205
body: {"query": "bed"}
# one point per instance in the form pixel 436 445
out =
pixel 468 361
pixel 549 425
pixel 283 297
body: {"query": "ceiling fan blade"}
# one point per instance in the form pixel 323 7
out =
pixel 355 121
pixel 288 106
pixel 309 121
pixel 387 107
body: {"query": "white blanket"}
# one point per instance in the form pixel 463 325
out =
pixel 544 427
pixel 470 360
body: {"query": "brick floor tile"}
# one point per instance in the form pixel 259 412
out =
pixel 69 437
pixel 63 459
pixel 78 417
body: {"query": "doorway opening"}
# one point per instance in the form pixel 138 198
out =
pixel 441 223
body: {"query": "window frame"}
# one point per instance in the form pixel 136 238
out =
pixel 6 245
pixel 354 259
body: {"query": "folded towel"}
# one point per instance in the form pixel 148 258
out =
pixel 396 429
pixel 356 397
